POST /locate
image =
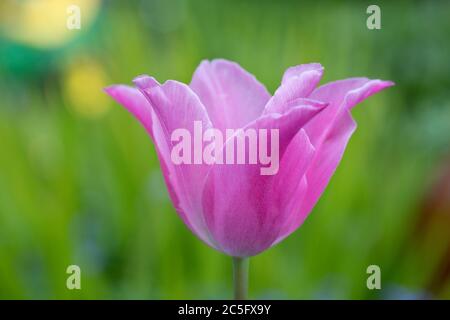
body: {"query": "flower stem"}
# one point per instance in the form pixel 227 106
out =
pixel 240 278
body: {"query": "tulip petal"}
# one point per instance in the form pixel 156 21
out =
pixel 134 102
pixel 232 96
pixel 341 95
pixel 330 132
pixel 176 107
pixel 298 82
pixel 320 171
pixel 292 180
pixel 243 209
pixel 145 82
pixel 284 106
pixel 163 109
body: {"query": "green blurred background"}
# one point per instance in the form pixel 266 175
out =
pixel 80 182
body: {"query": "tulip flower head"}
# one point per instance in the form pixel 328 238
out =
pixel 244 168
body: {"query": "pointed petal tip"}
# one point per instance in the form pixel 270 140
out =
pixel 308 66
pixel 374 86
pixel 144 81
pixel 112 89
pixel 389 83
pixel 384 83
pixel 107 89
pixel 380 83
pixel 297 70
pixel 315 66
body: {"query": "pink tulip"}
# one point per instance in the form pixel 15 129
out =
pixel 233 208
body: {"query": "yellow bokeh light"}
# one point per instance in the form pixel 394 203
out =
pixel 83 88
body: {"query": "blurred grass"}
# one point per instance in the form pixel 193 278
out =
pixel 86 188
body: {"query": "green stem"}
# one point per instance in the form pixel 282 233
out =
pixel 240 278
